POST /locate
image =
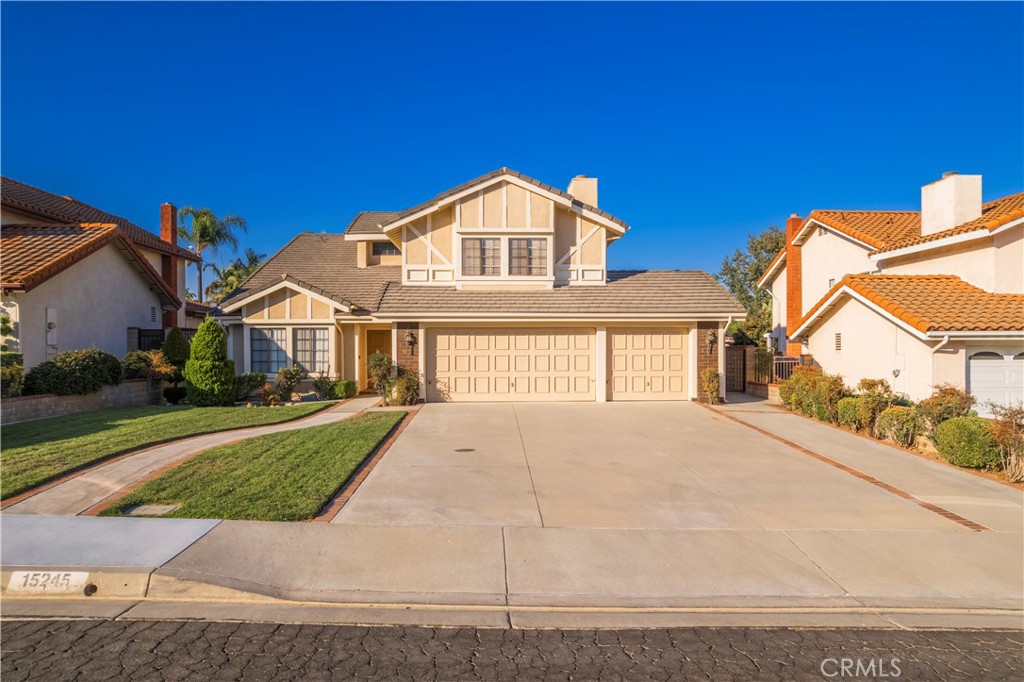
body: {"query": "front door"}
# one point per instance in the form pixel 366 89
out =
pixel 377 341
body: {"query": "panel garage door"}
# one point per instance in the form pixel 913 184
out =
pixel 995 377
pixel 499 365
pixel 648 364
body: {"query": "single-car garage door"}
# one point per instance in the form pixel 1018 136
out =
pixel 648 364
pixel 498 365
pixel 995 377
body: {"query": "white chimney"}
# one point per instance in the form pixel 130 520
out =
pixel 584 189
pixel 951 201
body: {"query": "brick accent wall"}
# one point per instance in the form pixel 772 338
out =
pixel 794 282
pixel 707 354
pixel 126 394
pixel 408 357
pixel 168 263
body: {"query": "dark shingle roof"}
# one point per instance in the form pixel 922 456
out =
pixel 369 222
pixel 673 292
pixel 22 197
pixel 327 263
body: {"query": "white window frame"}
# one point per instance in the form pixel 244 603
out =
pixel 283 346
pixel 314 350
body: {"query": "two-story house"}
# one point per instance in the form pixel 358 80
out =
pixel 495 290
pixel 919 298
pixel 74 276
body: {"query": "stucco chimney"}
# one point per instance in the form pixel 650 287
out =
pixel 794 283
pixel 951 201
pixel 169 223
pixel 584 189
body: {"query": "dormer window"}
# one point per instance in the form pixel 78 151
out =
pixel 481 257
pixel 385 249
pixel 528 257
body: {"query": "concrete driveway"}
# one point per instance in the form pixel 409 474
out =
pixel 624 465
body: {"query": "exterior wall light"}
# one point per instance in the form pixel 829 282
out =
pixel 410 339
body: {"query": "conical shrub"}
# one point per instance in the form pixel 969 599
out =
pixel 209 375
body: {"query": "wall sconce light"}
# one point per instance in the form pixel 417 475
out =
pixel 712 339
pixel 410 340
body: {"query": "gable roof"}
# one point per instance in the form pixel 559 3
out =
pixel 49 206
pixel 488 177
pixel 889 230
pixel 327 263
pixel 773 267
pixel 926 303
pixel 34 253
pixel 369 222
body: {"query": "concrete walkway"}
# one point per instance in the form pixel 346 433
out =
pixel 95 485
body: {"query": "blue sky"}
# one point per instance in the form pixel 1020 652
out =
pixel 703 122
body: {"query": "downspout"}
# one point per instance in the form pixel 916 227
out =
pixel 945 340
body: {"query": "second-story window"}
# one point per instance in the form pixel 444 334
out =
pixel 481 257
pixel 528 257
pixel 385 249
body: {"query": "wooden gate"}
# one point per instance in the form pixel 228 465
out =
pixel 735 368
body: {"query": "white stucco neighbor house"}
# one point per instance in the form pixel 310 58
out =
pixel 74 276
pixel 918 298
pixel 495 290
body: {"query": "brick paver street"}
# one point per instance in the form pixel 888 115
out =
pixel 175 650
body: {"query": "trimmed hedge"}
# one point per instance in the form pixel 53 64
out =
pixel 12 381
pixel 946 401
pixel 968 442
pixel 74 372
pixel 344 389
pixel 245 384
pixel 814 393
pixel 209 375
pixel 848 411
pixel 137 365
pixel 901 424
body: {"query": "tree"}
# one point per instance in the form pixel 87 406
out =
pixel 207 231
pixel 209 375
pixel 740 272
pixel 231 277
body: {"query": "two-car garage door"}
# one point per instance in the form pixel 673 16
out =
pixel 548 364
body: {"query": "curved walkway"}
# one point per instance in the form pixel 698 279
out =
pixel 95 485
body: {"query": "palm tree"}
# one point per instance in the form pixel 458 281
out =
pixel 231 277
pixel 209 232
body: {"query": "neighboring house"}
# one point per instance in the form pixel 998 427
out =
pixel 495 290
pixel 919 298
pixel 74 276
pixel 195 313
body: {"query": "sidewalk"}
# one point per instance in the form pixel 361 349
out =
pixel 98 483
pixel 520 577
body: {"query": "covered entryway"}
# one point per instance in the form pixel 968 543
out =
pixel 995 376
pixel 510 364
pixel 648 364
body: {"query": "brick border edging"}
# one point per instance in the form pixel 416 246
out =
pixel 334 506
pixel 91 466
pixel 898 492
pixel 889 444
pixel 113 498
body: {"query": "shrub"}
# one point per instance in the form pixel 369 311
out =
pixel 245 384
pixel 160 368
pixel 946 401
pixel 324 387
pixel 74 372
pixel 287 379
pixel 271 397
pixel 344 389
pixel 7 358
pixel 848 413
pixel 826 392
pixel 175 394
pixel 12 380
pixel 380 368
pixel 1008 432
pixel 709 387
pixel 137 365
pixel 407 389
pixel 795 392
pixel 968 442
pixel 209 375
pixel 176 348
pixel 874 397
pixel 902 424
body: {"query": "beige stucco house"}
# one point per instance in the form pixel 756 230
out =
pixel 495 290
pixel 919 298
pixel 74 276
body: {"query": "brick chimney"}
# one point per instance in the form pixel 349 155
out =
pixel 583 188
pixel 169 262
pixel 794 283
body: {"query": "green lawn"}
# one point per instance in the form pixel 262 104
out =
pixel 37 451
pixel 286 476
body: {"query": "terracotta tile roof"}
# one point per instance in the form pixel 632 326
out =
pixel 889 230
pixel 932 303
pixel 328 263
pixel 369 222
pixel 508 171
pixel 21 197
pixel 771 266
pixel 32 254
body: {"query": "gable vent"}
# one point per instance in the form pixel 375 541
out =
pixel 821 231
pixel 839 341
pixel 152 314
